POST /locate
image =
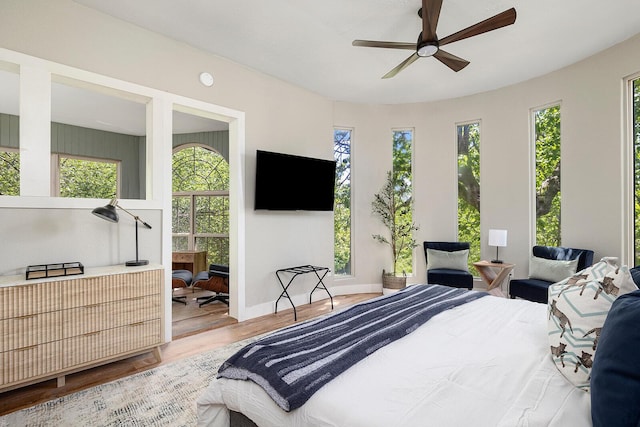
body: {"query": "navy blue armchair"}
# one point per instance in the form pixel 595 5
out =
pixel 536 289
pixel 448 276
pixel 635 275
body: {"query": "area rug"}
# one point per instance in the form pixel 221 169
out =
pixel 162 396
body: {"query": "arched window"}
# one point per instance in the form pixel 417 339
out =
pixel 200 206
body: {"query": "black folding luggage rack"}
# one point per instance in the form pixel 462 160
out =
pixel 320 272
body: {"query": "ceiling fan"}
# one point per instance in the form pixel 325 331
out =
pixel 428 43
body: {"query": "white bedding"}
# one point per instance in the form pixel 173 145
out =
pixel 486 363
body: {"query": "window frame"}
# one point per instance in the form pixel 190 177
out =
pixel 628 239
pixel 471 259
pixel 533 172
pixel 56 158
pixel 17 151
pixel 414 266
pixel 192 236
pixel 352 253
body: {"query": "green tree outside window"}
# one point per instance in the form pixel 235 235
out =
pixel 200 205
pixel 83 178
pixel 342 202
pixel 636 166
pixel 468 136
pixel 403 178
pixel 547 145
pixel 9 173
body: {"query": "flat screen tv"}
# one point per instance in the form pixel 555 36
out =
pixel 291 183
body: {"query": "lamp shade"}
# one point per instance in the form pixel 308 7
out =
pixel 107 212
pixel 498 238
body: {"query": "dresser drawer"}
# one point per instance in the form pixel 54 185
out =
pixel 97 346
pixel 98 290
pixel 96 317
pixel 29 299
pixel 30 362
pixel 27 331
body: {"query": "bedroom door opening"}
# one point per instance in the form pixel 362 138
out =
pixel 200 213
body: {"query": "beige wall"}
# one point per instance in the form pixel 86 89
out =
pixel 591 98
pixel 281 117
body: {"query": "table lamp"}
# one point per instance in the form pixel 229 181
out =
pixel 109 213
pixel 497 238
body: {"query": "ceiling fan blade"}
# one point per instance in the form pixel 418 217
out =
pixel 401 66
pixel 500 20
pixel 387 45
pixel 454 62
pixel 430 16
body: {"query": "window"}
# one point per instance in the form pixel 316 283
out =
pixel 9 172
pixel 547 169
pixel 403 177
pixel 9 130
pixel 635 131
pixel 342 204
pixel 200 207
pixel 468 136
pixel 87 178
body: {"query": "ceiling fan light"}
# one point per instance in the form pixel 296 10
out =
pixel 427 50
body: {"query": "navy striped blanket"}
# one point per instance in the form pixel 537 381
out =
pixel 293 363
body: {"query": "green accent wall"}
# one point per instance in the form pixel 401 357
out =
pixel 9 131
pixel 218 140
pixel 128 149
pixel 98 144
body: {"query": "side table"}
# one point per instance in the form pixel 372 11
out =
pixel 494 274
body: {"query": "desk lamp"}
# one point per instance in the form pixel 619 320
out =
pixel 109 213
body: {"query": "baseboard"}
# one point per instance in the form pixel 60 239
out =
pixel 301 299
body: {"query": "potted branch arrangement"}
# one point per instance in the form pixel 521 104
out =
pixel 393 205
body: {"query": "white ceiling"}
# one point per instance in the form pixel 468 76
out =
pixel 308 43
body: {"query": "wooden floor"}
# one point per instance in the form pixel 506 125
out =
pixel 187 342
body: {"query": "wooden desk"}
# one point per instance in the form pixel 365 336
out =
pixel 494 274
pixel 194 261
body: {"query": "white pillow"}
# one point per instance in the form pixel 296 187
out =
pixel 551 270
pixel 578 307
pixel 455 260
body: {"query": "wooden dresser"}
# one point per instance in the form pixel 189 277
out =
pixel 53 327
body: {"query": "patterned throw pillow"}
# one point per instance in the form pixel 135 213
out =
pixel 578 307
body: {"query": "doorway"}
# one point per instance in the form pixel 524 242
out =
pixel 200 211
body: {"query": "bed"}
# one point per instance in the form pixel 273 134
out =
pixel 484 363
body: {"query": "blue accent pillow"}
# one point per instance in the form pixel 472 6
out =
pixel 615 376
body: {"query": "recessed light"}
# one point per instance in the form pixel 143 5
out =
pixel 206 79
